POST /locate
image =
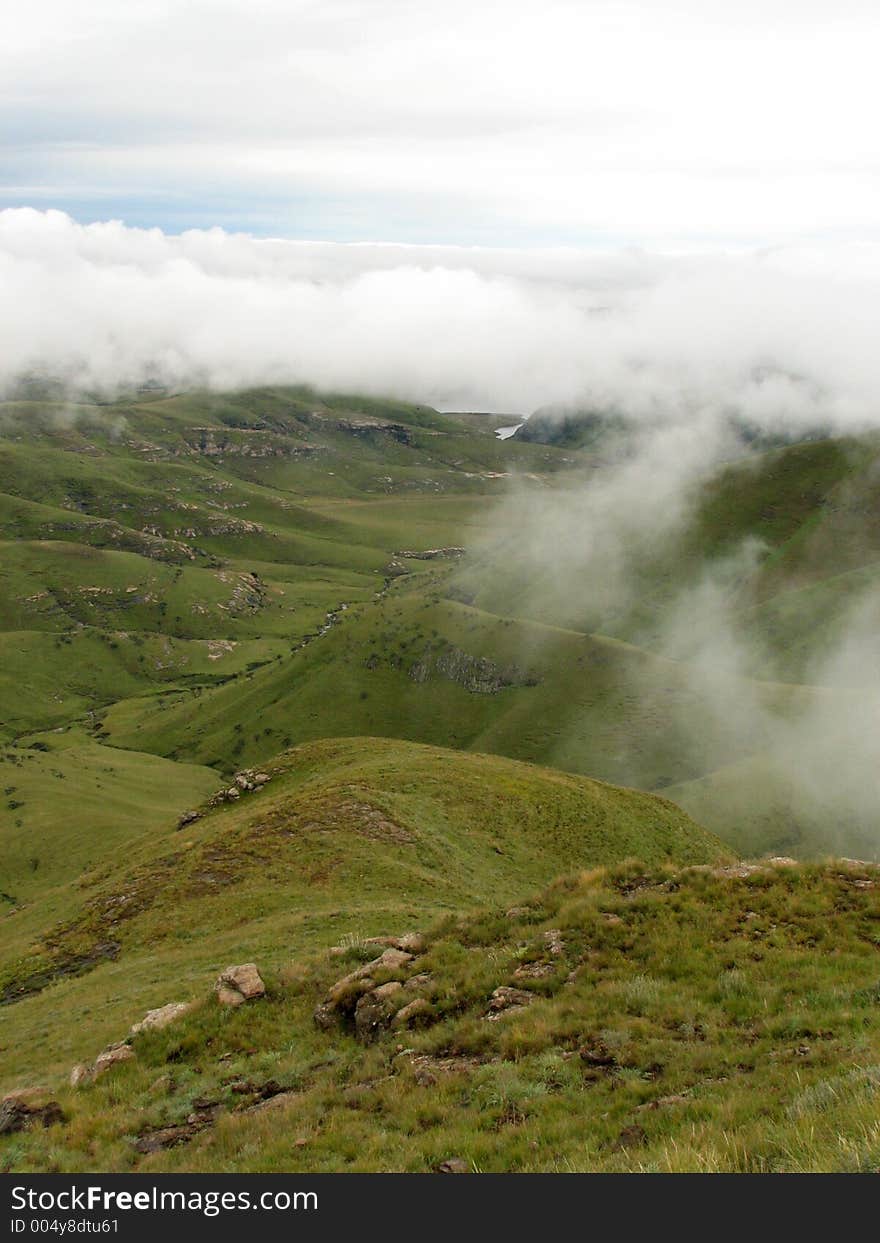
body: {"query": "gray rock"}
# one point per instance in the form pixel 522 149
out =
pixel 155 1020
pixel 238 984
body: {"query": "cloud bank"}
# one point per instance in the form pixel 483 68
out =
pixel 778 336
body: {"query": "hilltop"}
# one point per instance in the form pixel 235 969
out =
pixel 647 1018
pixel 344 836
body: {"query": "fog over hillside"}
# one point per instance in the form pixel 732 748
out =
pixel 780 336
pixel 676 344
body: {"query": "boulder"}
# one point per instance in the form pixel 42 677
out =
pixel 389 960
pixel 155 1020
pixel 28 1108
pixel 239 984
pixel 505 999
pixel 187 818
pixel 455 1165
pixel 419 1008
pixel 110 1057
pixel 375 1010
pixel 80 1074
pixel 260 779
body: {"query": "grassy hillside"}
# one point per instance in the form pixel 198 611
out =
pixel 348 836
pixel 706 1019
pixel 173 570
pixel 437 670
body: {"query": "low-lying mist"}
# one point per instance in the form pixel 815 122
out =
pixel 781 691
pixel 768 661
pixel 781 336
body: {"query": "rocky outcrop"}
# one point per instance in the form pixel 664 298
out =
pixel 26 1109
pixel 476 674
pixel 373 1007
pixel 375 1010
pixel 430 554
pixel 244 782
pixel 237 985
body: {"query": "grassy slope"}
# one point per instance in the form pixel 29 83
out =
pixel 585 703
pixel 97 610
pixel 697 1020
pixel 349 836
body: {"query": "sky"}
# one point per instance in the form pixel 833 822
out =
pixel 685 124
pixel 656 208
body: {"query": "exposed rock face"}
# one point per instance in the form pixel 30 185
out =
pixel 476 674
pixel 155 1020
pixel 239 984
pixel 29 1108
pixel 430 554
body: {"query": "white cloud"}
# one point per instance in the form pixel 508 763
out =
pixel 411 118
pixel 778 335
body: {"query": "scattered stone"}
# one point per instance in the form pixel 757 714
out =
pixel 279 1100
pixel 630 1137
pixel 26 1109
pixel 166 1137
pixel 260 779
pixel 505 999
pixel 112 1056
pixel 455 1165
pixel 410 942
pixel 596 1054
pixel 163 1086
pixel 187 818
pixel 239 984
pixel 427 1069
pixel 517 912
pixel 155 1020
pixel 554 942
pixel 533 971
